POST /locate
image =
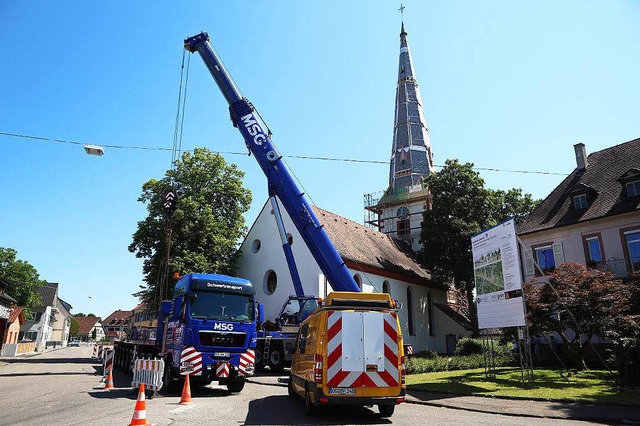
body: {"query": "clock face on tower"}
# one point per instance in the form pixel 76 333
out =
pixel 403 212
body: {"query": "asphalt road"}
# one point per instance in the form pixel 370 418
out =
pixel 62 388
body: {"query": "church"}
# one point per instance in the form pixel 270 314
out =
pixel 379 254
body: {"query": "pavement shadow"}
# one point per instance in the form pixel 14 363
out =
pixel 48 373
pixel 284 410
pixel 40 360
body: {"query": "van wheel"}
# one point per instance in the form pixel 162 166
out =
pixel 310 407
pixel 292 392
pixel 276 360
pixel 386 410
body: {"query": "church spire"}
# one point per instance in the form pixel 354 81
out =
pixel 411 158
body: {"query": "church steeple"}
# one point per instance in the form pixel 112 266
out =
pixel 411 158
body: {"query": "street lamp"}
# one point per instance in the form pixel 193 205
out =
pixel 94 150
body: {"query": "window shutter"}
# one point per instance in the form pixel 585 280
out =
pixel 558 254
pixel 529 268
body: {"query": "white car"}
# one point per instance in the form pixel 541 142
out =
pixel 74 343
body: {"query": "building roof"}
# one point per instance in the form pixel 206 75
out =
pixel 66 305
pixel 17 313
pixel 4 297
pixel 365 246
pixel 140 307
pixel 87 323
pixel 454 315
pixel 602 181
pixel 48 293
pixel 118 317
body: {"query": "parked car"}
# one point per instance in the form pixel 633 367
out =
pixel 74 343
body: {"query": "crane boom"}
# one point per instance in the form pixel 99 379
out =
pixel 278 177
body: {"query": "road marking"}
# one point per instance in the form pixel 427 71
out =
pixel 183 409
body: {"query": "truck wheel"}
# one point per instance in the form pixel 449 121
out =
pixel 169 382
pixel 276 360
pixel 386 410
pixel 235 385
pixel 310 408
pixel 259 361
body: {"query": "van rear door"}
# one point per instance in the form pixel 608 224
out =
pixel 362 353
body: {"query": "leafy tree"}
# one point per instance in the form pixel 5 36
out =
pixel 461 208
pixel 576 299
pixel 202 233
pixel 24 280
pixel 74 327
pixel 79 314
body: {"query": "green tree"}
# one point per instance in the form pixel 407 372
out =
pixel 74 327
pixel 203 231
pixel 24 280
pixel 461 208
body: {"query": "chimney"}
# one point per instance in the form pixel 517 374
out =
pixel 581 156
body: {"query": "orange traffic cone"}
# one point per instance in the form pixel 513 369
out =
pixel 109 383
pixel 186 392
pixel 140 412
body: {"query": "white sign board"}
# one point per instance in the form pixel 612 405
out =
pixel 496 267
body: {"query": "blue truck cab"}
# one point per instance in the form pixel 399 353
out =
pixel 213 316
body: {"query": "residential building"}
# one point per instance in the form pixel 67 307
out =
pixel 50 320
pixel 116 326
pixel 6 303
pixel 591 217
pixel 144 323
pixel 90 329
pixel 378 262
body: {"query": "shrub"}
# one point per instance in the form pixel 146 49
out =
pixel 467 346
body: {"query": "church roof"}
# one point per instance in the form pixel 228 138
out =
pixel 411 156
pixel 364 246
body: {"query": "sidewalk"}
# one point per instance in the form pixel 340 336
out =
pixel 616 414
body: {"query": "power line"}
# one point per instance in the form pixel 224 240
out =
pixel 300 157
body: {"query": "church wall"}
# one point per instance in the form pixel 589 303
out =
pixel 254 267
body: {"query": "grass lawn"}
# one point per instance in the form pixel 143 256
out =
pixel 593 386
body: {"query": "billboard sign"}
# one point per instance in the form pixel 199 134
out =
pixel 496 267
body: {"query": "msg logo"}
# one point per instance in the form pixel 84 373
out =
pixel 223 327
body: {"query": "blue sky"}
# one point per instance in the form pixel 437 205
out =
pixel 505 85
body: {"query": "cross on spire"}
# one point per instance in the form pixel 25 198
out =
pixel 401 9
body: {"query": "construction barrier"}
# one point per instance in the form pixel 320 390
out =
pixel 95 352
pixel 148 372
pixel 140 410
pixel 107 360
pixel 100 351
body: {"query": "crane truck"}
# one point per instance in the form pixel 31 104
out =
pixel 349 352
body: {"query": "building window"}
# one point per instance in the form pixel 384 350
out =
pixel 403 227
pixel 633 188
pixel 255 246
pixel 410 311
pixel 632 242
pixel 385 288
pixel 544 256
pixel 593 251
pixel 270 282
pixel 580 202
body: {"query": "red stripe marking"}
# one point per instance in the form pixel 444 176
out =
pixel 391 332
pixel 364 380
pixel 335 328
pixel 388 378
pixel 334 356
pixel 339 377
pixel 390 356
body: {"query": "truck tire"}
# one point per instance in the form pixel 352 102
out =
pixel 169 382
pixel 259 361
pixel 386 410
pixel 276 359
pixel 236 385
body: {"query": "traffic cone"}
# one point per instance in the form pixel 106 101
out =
pixel 186 392
pixel 108 385
pixel 140 412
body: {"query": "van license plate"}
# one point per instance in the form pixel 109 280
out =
pixel 342 391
